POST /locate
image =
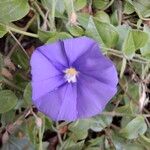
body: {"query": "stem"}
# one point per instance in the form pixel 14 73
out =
pixel 21 36
pixel 120 54
pixel 123 67
pixel 40 139
pixel 113 113
pixel 58 134
pixel 41 13
pixel 63 124
pixel 40 132
pixel 21 32
pixel 52 20
pixel 72 6
pixel 19 44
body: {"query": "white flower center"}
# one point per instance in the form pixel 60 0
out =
pixel 71 75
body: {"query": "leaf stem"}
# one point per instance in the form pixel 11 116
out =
pixel 137 58
pixel 40 139
pixel 113 113
pixel 52 19
pixel 37 7
pixel 21 32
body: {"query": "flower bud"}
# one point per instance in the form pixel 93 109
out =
pixel 73 18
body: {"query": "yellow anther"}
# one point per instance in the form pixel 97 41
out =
pixel 71 71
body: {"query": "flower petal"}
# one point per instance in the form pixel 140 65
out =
pixel 68 107
pixel 54 53
pixel 94 64
pixel 40 88
pixel 59 104
pixel 45 77
pixel 75 47
pixel 41 68
pixel 92 96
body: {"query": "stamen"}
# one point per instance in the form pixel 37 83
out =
pixel 70 74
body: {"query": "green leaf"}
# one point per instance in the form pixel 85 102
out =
pixel 49 37
pixel 133 146
pixel 18 144
pixel 123 31
pixel 102 16
pixel 20 81
pixel 58 36
pixel 134 128
pixel 135 40
pixel 100 4
pixel 128 8
pixel 133 88
pixel 79 4
pixel 145 51
pixel 114 18
pixel 69 7
pixel 8 117
pixel 80 129
pixel 12 10
pixel 96 144
pixel 30 129
pixel 8 100
pixel 106 34
pixel 48 123
pixel 45 35
pixel 59 9
pixel 83 19
pixel 28 94
pixel 92 31
pixel 71 145
pixel 122 144
pixel 99 122
pixel 144 140
pixel 119 142
pixel 142 8
pixel 125 109
pixel 3 30
pixel 75 30
pixel 19 58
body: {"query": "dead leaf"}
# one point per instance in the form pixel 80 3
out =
pixel 8 63
pixel 6 73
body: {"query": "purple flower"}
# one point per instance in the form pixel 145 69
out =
pixel 71 79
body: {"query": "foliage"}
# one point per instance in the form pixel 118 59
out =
pixel 121 27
